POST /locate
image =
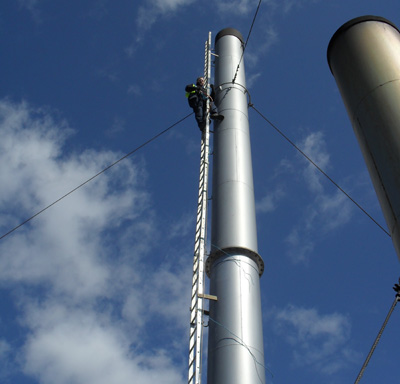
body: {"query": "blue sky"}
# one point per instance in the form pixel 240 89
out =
pixel 96 289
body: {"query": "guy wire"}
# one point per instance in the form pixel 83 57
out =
pixel 96 175
pixel 247 40
pixel 319 169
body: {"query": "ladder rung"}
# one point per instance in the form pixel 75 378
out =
pixel 196 310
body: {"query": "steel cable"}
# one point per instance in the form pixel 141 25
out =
pixel 240 341
pixel 319 169
pixel 376 341
pixel 247 40
pixel 96 175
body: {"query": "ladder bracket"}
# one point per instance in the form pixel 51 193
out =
pixel 208 297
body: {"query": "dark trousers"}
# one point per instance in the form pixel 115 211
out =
pixel 198 106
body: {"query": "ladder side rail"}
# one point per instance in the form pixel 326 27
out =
pixel 196 316
pixel 206 136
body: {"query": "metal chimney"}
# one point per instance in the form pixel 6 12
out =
pixel 235 343
pixel 364 57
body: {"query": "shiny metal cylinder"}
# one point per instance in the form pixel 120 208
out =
pixel 364 57
pixel 235 344
pixel 233 209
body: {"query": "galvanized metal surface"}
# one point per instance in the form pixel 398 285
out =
pixel 235 344
pixel 233 208
pixel 365 60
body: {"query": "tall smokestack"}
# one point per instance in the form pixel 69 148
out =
pixel 364 57
pixel 235 344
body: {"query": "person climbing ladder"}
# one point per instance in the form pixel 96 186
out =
pixel 197 96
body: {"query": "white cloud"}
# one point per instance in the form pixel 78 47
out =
pixel 269 202
pixel 135 90
pixel 34 174
pixel 267 38
pixel 5 349
pixel 271 38
pixel 168 295
pixel 76 346
pixel 77 271
pixel 319 341
pixel 300 246
pixel 238 7
pixel 118 126
pixel 32 7
pixel 252 79
pixel 315 148
pixel 336 209
pixel 153 9
pixel 326 212
pixel 150 12
pixel 108 73
pixel 289 5
pixel 326 208
pixel 165 6
pixel 99 9
pixel 181 227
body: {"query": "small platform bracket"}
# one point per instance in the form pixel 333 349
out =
pixel 208 297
